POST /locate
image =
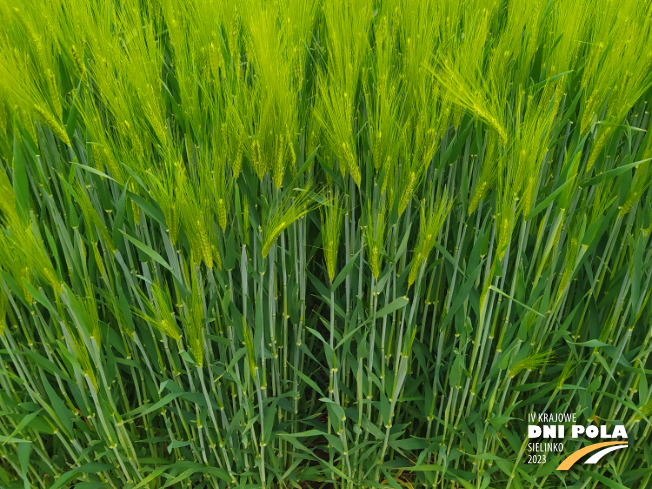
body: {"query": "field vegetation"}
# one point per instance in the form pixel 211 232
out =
pixel 302 243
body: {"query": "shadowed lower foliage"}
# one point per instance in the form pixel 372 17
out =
pixel 303 243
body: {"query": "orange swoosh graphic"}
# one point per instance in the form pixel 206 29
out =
pixel 575 456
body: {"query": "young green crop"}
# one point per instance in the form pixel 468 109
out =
pixel 311 243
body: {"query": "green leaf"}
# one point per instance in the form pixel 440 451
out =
pixel 147 250
pixel 307 380
pixel 178 444
pixel 496 289
pixel 90 169
pixel 612 173
pixel 423 468
pixel 24 422
pixel 24 451
pixel 344 272
pixel 21 183
pixel 591 343
pixel 148 208
pixel 149 408
pixel 637 270
pixel 118 223
pixel 5 439
pixel 395 305
pixel 546 202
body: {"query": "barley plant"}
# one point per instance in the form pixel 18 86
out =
pixel 325 244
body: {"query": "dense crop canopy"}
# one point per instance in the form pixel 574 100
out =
pixel 303 243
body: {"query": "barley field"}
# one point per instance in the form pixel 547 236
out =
pixel 323 243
